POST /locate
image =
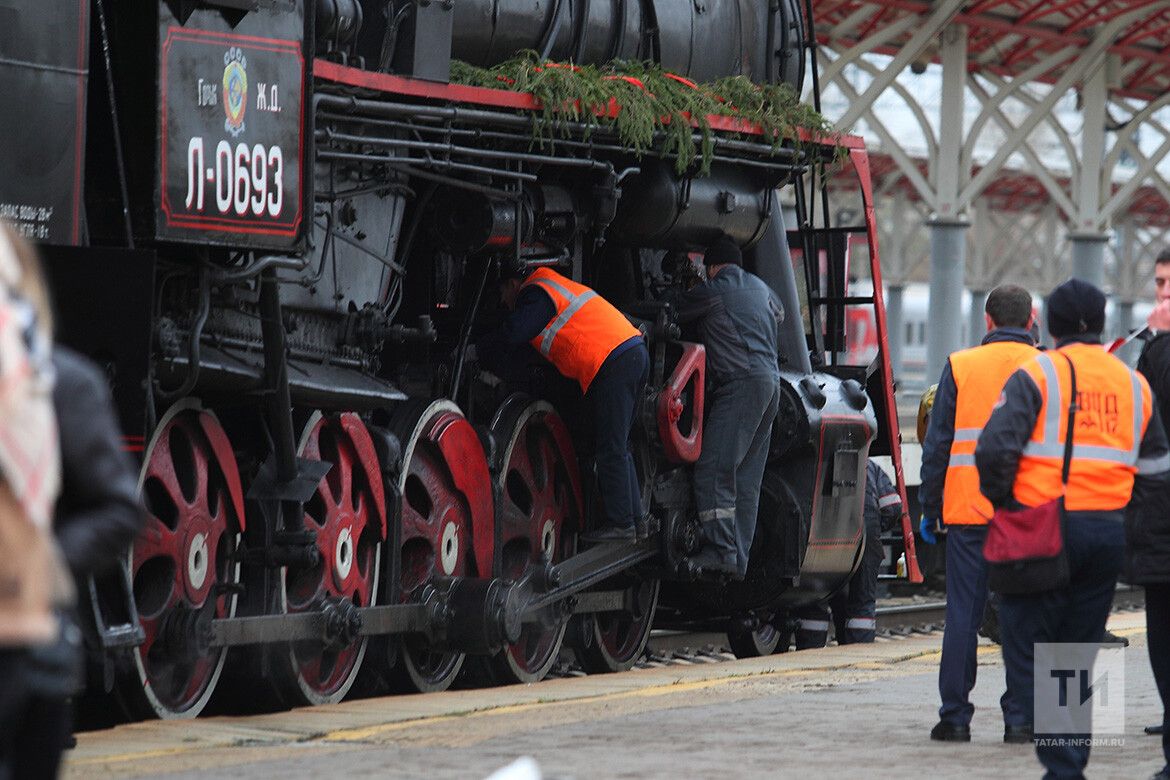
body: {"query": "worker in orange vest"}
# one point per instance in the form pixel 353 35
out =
pixel 588 340
pixel 1119 452
pixel 968 389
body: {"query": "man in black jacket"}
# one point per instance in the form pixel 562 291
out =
pixel 1147 525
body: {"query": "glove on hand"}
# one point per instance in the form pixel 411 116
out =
pixel 929 528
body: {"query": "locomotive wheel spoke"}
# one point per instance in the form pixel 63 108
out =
pixel 182 565
pixel 539 516
pixel 613 641
pixel 438 521
pixel 344 514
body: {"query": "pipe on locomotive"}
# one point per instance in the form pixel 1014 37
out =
pixel 701 39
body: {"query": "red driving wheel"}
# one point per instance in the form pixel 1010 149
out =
pixel 347 515
pixel 446 524
pixel 182 565
pixel 538 518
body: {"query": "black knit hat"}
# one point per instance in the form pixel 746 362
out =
pixel 1076 307
pixel 722 251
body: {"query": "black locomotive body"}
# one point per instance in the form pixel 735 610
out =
pixel 277 226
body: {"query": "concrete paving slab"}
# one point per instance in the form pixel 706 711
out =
pixel 861 710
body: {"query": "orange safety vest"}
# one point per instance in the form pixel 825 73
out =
pixel 584 331
pixel 979 374
pixel 1114 407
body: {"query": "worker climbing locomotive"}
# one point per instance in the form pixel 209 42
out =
pixel 280 225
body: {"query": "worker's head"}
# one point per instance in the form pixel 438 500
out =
pixel 1162 276
pixel 720 252
pixel 512 276
pixel 1076 308
pixel 1008 306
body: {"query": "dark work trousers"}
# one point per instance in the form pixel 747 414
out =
pixel 736 435
pixel 854 609
pixel 33 728
pixel 613 402
pixel 1095 543
pixel 966 600
pixel 1158 637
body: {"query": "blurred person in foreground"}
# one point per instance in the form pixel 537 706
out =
pixel 34 583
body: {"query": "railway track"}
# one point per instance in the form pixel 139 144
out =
pixel 679 648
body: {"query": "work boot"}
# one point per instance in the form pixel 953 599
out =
pixel 610 533
pixel 646 526
pixel 711 561
pixel 950 732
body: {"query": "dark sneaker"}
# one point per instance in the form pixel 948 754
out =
pixel 1017 735
pixel 950 732
pixel 610 533
pixel 1153 730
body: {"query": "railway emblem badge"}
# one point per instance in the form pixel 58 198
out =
pixel 235 90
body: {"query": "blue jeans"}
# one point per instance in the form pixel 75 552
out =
pixel 1095 543
pixel 966 600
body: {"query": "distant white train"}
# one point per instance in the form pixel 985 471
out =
pixel 914 332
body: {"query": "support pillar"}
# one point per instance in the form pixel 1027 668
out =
pixel 1088 257
pixel 948 256
pixel 976 326
pixel 1087 238
pixel 895 325
pixel 948 225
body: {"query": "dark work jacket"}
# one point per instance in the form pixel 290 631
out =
pixel 997 454
pixel 1147 523
pixel 936 449
pixel 98 513
pixel 883 505
pixel 737 316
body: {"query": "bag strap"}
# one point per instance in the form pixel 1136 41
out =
pixel 1072 416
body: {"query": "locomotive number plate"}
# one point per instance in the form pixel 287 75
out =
pixel 231 138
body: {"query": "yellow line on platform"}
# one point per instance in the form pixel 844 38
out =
pixel 367 732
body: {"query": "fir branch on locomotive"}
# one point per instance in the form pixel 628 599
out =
pixel 278 224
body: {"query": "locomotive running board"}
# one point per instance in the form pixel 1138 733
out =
pixel 582 571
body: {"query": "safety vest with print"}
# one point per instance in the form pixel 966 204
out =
pixel 1114 406
pixel 584 331
pixel 979 374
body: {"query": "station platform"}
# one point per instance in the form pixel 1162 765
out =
pixel 850 711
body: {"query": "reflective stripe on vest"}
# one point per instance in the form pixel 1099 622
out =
pixel 584 330
pixel 1115 408
pixel 979 374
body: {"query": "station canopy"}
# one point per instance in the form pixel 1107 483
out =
pixel 1013 38
pixel 1022 39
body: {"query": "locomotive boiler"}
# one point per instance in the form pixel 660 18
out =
pixel 278 224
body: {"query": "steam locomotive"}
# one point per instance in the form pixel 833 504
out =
pixel 276 223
